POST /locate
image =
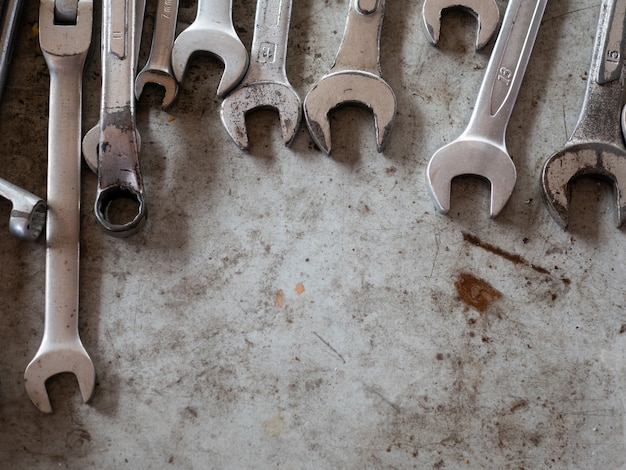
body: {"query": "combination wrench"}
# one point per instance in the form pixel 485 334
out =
pixel 481 149
pixel 64 46
pixel 265 84
pixel 596 146
pixel 28 214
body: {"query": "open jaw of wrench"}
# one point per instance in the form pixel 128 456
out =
pixel 28 214
pixel 158 68
pixel 65 48
pixel 212 31
pixel 355 78
pixel 120 207
pixel 486 12
pixel 481 149
pixel 266 84
pixel 596 146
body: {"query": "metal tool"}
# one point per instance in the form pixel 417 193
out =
pixel 11 11
pixel 596 146
pixel 212 31
pixel 355 77
pixel 28 214
pixel 119 175
pixel 486 12
pixel 65 48
pixel 158 68
pixel 266 84
pixel 481 149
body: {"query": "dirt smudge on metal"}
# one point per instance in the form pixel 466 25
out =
pixel 476 292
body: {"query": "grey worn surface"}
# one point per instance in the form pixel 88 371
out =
pixel 209 355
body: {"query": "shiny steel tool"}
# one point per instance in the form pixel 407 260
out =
pixel 158 68
pixel 481 149
pixel 65 48
pixel 212 31
pixel 28 214
pixel 596 146
pixel 11 10
pixel 119 174
pixel 355 77
pixel 485 11
pixel 266 84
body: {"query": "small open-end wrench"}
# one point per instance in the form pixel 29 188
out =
pixel 65 46
pixel 486 12
pixel 28 214
pixel 266 84
pixel 355 77
pixel 119 174
pixel 158 68
pixel 596 146
pixel 212 31
pixel 481 149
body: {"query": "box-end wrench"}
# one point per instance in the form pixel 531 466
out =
pixel 596 146
pixel 212 31
pixel 266 84
pixel 355 77
pixel 481 149
pixel 486 12
pixel 65 48
pixel 28 214
pixel 158 68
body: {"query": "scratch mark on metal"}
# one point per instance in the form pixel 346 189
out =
pixel 330 347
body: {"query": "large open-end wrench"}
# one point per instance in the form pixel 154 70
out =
pixel 596 146
pixel 355 77
pixel 485 11
pixel 65 46
pixel 266 84
pixel 158 68
pixel 481 149
pixel 28 214
pixel 212 31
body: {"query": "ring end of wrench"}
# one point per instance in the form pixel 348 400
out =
pixel 28 225
pixel 108 196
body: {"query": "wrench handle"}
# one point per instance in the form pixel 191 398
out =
pixel 217 12
pixel 11 10
pixel 506 68
pixel 163 37
pixel 269 44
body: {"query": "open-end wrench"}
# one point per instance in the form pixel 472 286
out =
pixel 266 84
pixel 486 12
pixel 212 31
pixel 596 146
pixel 355 77
pixel 158 68
pixel 65 46
pixel 28 214
pixel 481 149
pixel 119 174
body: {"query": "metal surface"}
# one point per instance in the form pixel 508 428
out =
pixel 596 146
pixel 486 12
pixel 212 31
pixel 481 149
pixel 355 78
pixel 11 10
pixel 265 84
pixel 158 68
pixel 281 309
pixel 65 48
pixel 28 214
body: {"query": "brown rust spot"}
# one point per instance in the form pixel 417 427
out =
pixel 476 292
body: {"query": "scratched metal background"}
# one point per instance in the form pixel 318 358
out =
pixel 419 341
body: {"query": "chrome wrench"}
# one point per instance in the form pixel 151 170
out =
pixel 481 149
pixel 28 214
pixel 65 48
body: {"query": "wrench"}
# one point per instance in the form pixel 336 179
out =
pixel 11 10
pixel 212 31
pixel 266 84
pixel 485 11
pixel 65 48
pixel 354 78
pixel 158 69
pixel 119 175
pixel 596 146
pixel 481 149
pixel 28 214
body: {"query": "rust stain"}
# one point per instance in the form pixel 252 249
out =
pixel 299 288
pixel 476 292
pixel 512 257
pixel 280 298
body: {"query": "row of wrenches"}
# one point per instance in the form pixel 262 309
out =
pixel 111 148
